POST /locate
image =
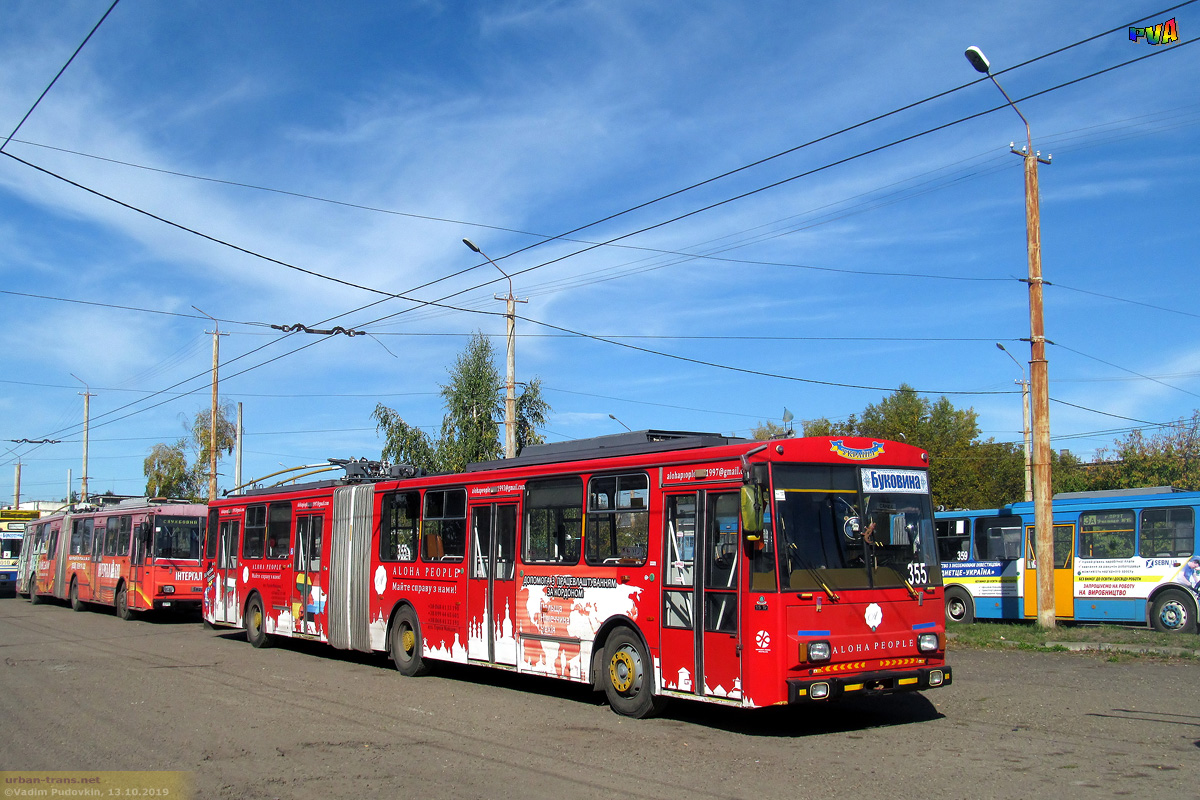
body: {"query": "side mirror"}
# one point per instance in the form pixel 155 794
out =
pixel 752 512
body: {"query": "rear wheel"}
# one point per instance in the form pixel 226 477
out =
pixel 256 631
pixel 1173 612
pixel 122 603
pixel 959 607
pixel 34 597
pixel 406 644
pixel 628 675
pixel 76 603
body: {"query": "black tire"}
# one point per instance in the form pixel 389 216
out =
pixel 256 623
pixel 960 608
pixel 35 599
pixel 73 594
pixel 1173 611
pixel 406 647
pixel 628 677
pixel 121 603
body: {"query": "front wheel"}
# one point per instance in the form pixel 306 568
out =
pixel 959 607
pixel 256 620
pixel 1173 612
pixel 406 647
pixel 628 676
pixel 122 604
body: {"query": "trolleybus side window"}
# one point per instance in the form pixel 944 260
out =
pixel 210 542
pixel 52 548
pixel 81 537
pixel 399 519
pixel 308 543
pixel 444 527
pixel 618 519
pixel 279 530
pixel 954 539
pixel 553 521
pixel 1105 534
pixel 1167 533
pixel 255 533
pixel 997 538
pixel 112 533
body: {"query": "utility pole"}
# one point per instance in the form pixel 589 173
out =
pixel 212 420
pixel 1039 375
pixel 510 393
pixel 17 486
pixel 87 397
pixel 1024 384
pixel 237 460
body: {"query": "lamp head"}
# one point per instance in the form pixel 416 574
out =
pixel 472 245
pixel 1002 347
pixel 978 60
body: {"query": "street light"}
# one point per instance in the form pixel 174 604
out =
pixel 510 391
pixel 1038 372
pixel 622 424
pixel 1024 423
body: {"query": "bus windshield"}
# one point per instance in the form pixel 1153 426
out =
pixel 177 537
pixel 835 533
pixel 10 548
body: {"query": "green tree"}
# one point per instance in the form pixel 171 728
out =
pixel 766 430
pixel 1168 458
pixel 167 471
pixel 166 468
pixel 473 421
pixel 201 441
pixel 964 472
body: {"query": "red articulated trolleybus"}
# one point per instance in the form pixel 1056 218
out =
pixel 138 555
pixel 652 565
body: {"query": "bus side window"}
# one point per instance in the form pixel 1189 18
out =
pixel 444 525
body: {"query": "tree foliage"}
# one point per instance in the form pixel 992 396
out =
pixel 473 423
pixel 766 430
pixel 167 471
pixel 964 472
pixel 1170 457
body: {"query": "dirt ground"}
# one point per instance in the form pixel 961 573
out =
pixel 86 691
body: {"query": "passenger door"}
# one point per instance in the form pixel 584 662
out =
pixel 491 588
pixel 227 603
pixel 702 570
pixel 308 595
pixel 1064 571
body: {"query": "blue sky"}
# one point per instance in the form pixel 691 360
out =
pixel 363 141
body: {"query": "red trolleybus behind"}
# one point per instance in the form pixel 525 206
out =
pixel 651 565
pixel 138 555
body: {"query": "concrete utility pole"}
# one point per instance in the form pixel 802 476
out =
pixel 1024 384
pixel 87 397
pixel 1039 375
pixel 212 420
pixel 510 393
pixel 17 486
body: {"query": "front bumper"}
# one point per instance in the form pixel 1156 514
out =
pixel 803 690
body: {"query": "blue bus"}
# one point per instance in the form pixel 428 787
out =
pixel 1125 555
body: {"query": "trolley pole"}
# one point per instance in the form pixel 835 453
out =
pixel 510 385
pixel 87 397
pixel 1039 377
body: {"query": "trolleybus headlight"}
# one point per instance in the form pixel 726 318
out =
pixel 935 677
pixel 818 651
pixel 168 589
pixel 818 691
pixel 927 642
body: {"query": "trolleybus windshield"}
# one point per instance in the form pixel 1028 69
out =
pixel 834 533
pixel 178 537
